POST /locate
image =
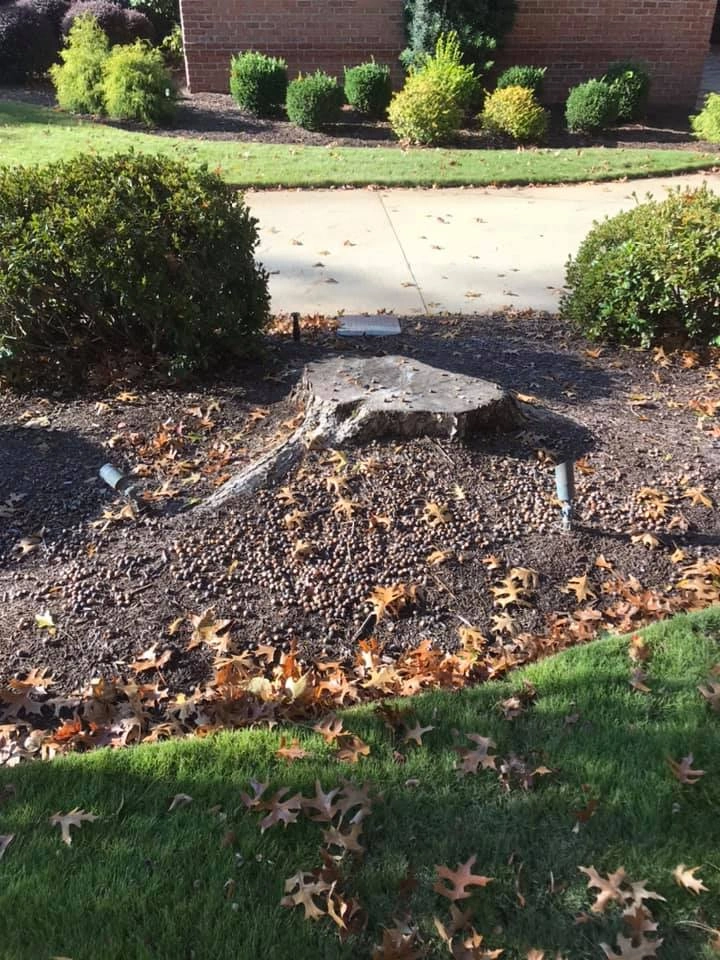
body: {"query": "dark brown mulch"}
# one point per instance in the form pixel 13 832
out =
pixel 216 116
pixel 113 586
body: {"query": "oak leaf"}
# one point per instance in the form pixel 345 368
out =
pixel 255 801
pixel 685 877
pixel 351 748
pixel 472 947
pixel 627 951
pixel 75 818
pixel 323 804
pixel 399 943
pixel 435 514
pixel 281 810
pixel 301 891
pixel 610 887
pixel 711 692
pixel 292 751
pixel 329 729
pixel 471 759
pixel 5 841
pixel 698 497
pixel 509 592
pixel 638 921
pixel 416 734
pixel 580 586
pixel 459 880
pixel 345 839
pixel 683 770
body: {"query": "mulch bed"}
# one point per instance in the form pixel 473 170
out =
pixel 643 426
pixel 216 116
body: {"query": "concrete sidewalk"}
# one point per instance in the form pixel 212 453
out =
pixel 429 251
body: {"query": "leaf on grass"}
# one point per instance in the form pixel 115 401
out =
pixel 416 734
pixel 329 729
pixel 255 801
pixel 291 752
pixel 471 759
pixel 322 805
pixel 351 748
pixel 301 891
pixel 472 947
pixel 683 770
pixel 281 810
pixel 637 681
pixel 399 943
pixel 638 921
pixel 711 692
pixel 5 841
pixel 638 650
pixel 626 950
pixel 685 877
pixel 179 800
pixel 345 839
pixel 609 887
pixel 75 818
pixel 459 880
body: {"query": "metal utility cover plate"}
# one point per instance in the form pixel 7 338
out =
pixel 381 325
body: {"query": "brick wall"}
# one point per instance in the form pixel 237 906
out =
pixel 309 34
pixel 576 39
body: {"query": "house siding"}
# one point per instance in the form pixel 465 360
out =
pixel 575 39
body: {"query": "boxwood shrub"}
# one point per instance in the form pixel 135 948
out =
pixel 314 101
pixel 650 273
pixel 258 83
pixel 368 88
pixel 514 112
pixel 591 107
pixel 706 124
pixel 124 255
pixel 533 78
pixel 630 82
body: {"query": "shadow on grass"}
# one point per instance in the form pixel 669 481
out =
pixel 145 882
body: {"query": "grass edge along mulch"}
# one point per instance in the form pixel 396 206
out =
pixel 30 134
pixel 203 880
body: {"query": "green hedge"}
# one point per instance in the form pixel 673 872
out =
pixel 258 83
pixel 314 101
pixel 651 272
pixel 124 254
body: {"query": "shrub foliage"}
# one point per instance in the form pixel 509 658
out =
pixel 128 253
pixel 368 88
pixel 650 273
pixel 28 42
pixel 531 77
pixel 630 82
pixel 479 24
pixel 514 112
pixel 591 107
pixel 423 113
pixel 314 100
pixel 258 83
pixel 706 124
pixel 164 14
pixel 78 79
pixel 137 85
pixel 110 17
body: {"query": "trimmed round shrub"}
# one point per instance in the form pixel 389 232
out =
pixel 139 26
pixel 54 10
pixel 650 273
pixel 630 82
pixel 314 101
pixel 533 78
pixel 110 18
pixel 514 112
pixel 128 254
pixel 78 79
pixel 28 43
pixel 706 124
pixel 137 85
pixel 258 83
pixel 164 14
pixel 591 107
pixel 423 112
pixel 368 88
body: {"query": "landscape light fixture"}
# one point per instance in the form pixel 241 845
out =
pixel 565 490
pixel 117 480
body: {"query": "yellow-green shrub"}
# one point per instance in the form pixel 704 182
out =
pixel 423 112
pixel 78 79
pixel 137 85
pixel 515 112
pixel 706 124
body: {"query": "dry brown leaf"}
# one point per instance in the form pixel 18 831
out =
pixel 698 497
pixel 580 586
pixel 459 880
pixel 435 514
pixel 683 771
pixel 281 810
pixel 351 748
pixel 301 891
pixel 323 804
pixel 471 759
pixel 330 728
pixel 685 877
pixel 75 818
pixel 416 734
pixel 626 950
pixel 610 887
pixel 345 839
pixel 711 692
pixel 292 751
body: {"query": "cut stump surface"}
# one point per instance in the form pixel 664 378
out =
pixel 351 399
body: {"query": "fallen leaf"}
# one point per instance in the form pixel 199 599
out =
pixel 416 734
pixel 626 950
pixel 5 841
pixel 459 880
pixel 471 759
pixel 610 887
pixel 75 818
pixel 711 692
pixel 580 586
pixel 292 752
pixel 301 891
pixel 685 877
pixel 683 770
pixel 179 800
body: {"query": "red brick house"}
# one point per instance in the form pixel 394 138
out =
pixel 575 39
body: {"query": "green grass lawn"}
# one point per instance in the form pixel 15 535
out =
pixel 30 134
pixel 143 882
